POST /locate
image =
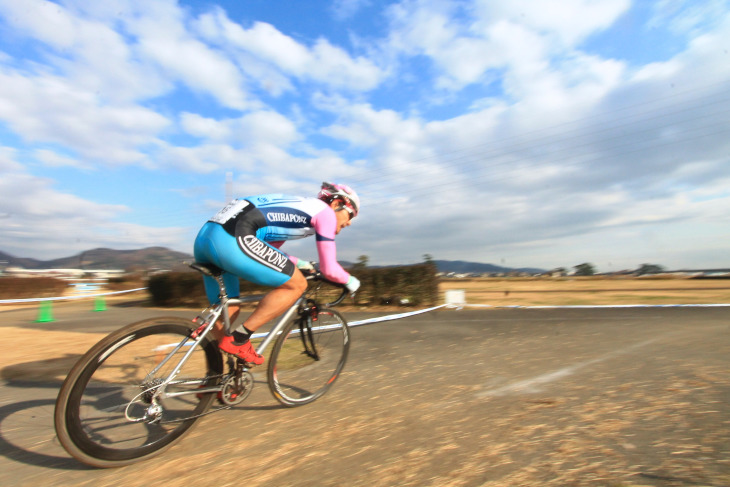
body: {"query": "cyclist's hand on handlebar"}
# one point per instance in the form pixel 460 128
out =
pixel 353 284
pixel 306 267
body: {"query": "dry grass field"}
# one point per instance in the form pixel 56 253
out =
pixel 589 291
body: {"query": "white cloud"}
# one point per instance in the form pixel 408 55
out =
pixel 322 62
pixel 266 127
pixel 417 28
pixel 163 37
pixel 566 22
pixel 47 108
pixel 203 158
pixel 20 196
pixel 90 53
pixel 259 137
pixel 208 128
pixel 46 21
pixel 519 36
pixel 92 49
pixel 53 159
pixel 704 59
pixel 687 17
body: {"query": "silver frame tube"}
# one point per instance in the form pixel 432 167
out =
pixel 220 310
pixel 276 330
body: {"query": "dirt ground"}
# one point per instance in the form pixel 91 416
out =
pixel 471 398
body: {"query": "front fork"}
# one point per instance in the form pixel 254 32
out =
pixel 308 314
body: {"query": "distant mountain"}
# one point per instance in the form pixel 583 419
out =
pixel 10 261
pixel 148 258
pixel 464 267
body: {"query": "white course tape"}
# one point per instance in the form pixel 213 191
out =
pixel 594 306
pixel 394 317
pixel 368 321
pixel 81 296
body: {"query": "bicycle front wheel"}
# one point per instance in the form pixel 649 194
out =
pixel 308 357
pixel 110 410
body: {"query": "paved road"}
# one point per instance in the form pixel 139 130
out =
pixel 449 398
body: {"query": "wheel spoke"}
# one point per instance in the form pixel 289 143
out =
pixel 115 408
pixel 308 358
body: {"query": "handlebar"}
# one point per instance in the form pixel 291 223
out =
pixel 318 276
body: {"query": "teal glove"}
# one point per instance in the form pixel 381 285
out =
pixel 305 266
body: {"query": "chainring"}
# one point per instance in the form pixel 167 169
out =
pixel 236 388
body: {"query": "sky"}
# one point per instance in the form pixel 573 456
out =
pixel 529 133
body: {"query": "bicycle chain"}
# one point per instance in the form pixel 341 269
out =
pixel 209 411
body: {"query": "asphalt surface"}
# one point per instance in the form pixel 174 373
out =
pixel 613 397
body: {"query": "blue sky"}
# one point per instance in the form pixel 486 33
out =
pixel 526 133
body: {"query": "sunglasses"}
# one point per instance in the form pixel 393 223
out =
pixel 350 211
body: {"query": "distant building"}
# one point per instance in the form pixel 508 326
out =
pixel 64 273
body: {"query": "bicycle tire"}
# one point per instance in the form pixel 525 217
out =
pixel 296 377
pixel 110 386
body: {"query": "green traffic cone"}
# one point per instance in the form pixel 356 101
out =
pixel 45 313
pixel 99 304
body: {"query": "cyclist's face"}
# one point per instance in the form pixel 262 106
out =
pixel 343 217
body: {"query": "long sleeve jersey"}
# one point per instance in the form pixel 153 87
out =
pixel 276 218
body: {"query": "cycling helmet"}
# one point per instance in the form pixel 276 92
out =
pixel 330 192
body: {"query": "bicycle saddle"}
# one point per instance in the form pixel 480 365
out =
pixel 207 269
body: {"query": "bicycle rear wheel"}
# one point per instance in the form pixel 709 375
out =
pixel 308 357
pixel 102 415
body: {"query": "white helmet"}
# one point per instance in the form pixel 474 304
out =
pixel 330 192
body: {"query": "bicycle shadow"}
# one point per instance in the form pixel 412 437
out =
pixel 38 371
pixel 26 431
pixel 27 434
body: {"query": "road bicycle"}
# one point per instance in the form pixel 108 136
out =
pixel 140 389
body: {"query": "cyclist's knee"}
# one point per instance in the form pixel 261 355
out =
pixel 297 282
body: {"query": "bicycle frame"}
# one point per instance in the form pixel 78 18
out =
pixel 210 316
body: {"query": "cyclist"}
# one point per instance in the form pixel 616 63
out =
pixel 244 239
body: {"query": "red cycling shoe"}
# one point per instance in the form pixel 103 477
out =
pixel 245 351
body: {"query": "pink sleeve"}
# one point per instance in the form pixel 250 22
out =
pixel 325 224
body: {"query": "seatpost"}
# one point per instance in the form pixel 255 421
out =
pixel 223 297
pixel 223 293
